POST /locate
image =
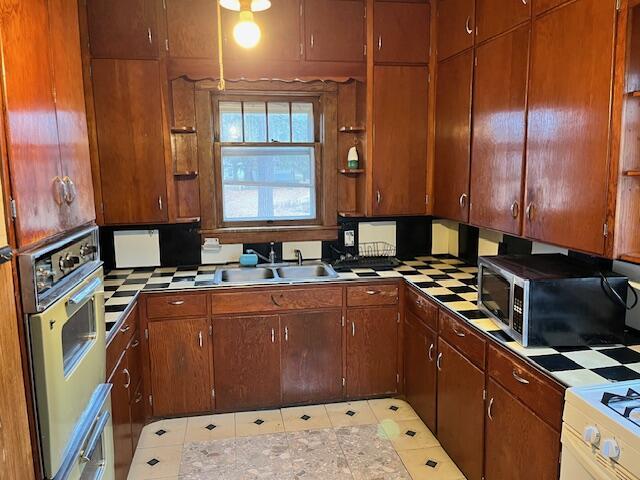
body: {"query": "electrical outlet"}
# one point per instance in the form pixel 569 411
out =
pixel 349 238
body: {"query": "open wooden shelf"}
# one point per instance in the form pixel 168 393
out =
pixel 185 174
pixel 351 171
pixel 351 129
pixel 350 214
pixel 631 257
pixel 183 130
pixel 635 94
pixel 632 173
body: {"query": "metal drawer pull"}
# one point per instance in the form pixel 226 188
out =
pixel 439 362
pixel 467 26
pixel 353 329
pixel 126 372
pixel 139 397
pixel 125 329
pixel 286 334
pixel 524 381
pixel 86 292
pixel 200 339
pixel 524 2
pixel 489 409
pixel 71 192
pixel 373 292
pixel 273 336
pixel 135 344
pixel 176 302
pixel 460 334
pixel 378 197
pixel 379 42
pixel 431 352
pixel 275 302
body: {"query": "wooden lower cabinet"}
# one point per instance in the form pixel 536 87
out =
pixel 311 357
pixel 420 351
pixel 180 366
pixel 121 419
pixel 518 443
pixel 461 410
pixel 372 351
pixel 246 362
pixel 136 407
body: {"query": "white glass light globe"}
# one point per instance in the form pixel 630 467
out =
pixel 246 32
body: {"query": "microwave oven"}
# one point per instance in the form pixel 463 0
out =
pixel 552 300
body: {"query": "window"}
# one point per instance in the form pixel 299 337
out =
pixel 268 159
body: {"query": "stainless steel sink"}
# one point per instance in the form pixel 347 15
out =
pixel 301 272
pixel 241 275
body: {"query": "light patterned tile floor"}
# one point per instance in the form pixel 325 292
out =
pixel 366 440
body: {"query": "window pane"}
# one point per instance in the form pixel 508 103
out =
pixel 302 122
pixel 230 121
pixel 279 126
pixel 268 183
pixel 255 122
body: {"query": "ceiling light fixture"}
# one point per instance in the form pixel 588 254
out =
pixel 246 32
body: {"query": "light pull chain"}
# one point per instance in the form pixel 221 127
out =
pixel 221 83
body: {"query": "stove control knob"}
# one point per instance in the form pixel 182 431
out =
pixel 591 435
pixel 86 250
pixel 610 449
pixel 66 262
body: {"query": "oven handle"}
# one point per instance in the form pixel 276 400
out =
pixel 92 443
pixel 86 292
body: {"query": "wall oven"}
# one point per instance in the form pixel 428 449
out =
pixel 63 299
pixel 552 300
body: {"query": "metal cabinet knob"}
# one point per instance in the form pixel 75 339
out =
pixel 515 209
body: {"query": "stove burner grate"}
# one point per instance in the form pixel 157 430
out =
pixel 628 405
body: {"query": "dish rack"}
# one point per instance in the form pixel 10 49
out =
pixel 370 255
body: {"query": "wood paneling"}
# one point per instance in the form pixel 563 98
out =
pixel 453 137
pixel 401 32
pixel 461 410
pixel 507 453
pixel 372 295
pixel 500 93
pixel 125 29
pixel 311 357
pixel 31 128
pixel 455 26
pixel 568 125
pixel 399 164
pixel 334 30
pixel 246 362
pixel 180 359
pixel 16 458
pixel 496 16
pixel 372 350
pixel 268 300
pixel 191 28
pixel 177 305
pixel 127 98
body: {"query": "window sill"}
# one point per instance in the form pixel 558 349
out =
pixel 272 234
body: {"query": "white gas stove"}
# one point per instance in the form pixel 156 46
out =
pixel 601 432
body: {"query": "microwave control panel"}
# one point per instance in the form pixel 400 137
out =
pixel 518 308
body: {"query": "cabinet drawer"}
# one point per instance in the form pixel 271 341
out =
pixel 275 300
pixel 372 295
pixel 119 342
pixel 179 305
pixel 539 393
pixel 422 308
pixel 471 344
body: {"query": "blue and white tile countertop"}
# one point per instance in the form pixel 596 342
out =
pixel 445 279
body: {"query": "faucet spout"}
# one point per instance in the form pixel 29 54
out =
pixel 298 256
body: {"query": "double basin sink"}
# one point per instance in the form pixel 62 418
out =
pixel 276 273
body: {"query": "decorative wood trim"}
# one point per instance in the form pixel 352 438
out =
pixel 273 234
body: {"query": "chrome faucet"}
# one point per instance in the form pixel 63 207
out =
pixel 298 254
pixel 272 254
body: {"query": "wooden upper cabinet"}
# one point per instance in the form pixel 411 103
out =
pixel 334 30
pixel 311 356
pixel 453 137
pixel 281 36
pixel 401 32
pixel 399 164
pixel 541 6
pixel 124 29
pixel 455 26
pixel 79 206
pixel 500 92
pixel 568 125
pixel 496 16
pixel 506 454
pixel 127 98
pixel 180 366
pixel 191 28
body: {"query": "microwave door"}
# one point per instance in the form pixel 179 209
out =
pixel 495 295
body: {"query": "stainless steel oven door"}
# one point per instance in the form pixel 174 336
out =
pixel 69 355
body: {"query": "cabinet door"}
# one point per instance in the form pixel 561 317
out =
pixel 71 113
pixel 127 99
pixel 123 28
pixel 500 93
pixel 281 34
pixel 496 16
pixel 453 138
pixel 420 350
pixel 246 362
pixel 372 351
pixel 180 365
pixel 334 30
pixel 399 140
pixel 137 414
pixel 191 28
pixel 509 422
pixel 401 32
pixel 121 419
pixel 460 410
pixel 455 26
pixel 568 125
pixel 311 357
pixel 31 131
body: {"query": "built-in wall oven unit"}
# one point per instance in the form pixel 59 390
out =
pixel 63 300
pixel 552 300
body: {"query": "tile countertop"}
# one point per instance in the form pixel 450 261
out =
pixel 445 279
